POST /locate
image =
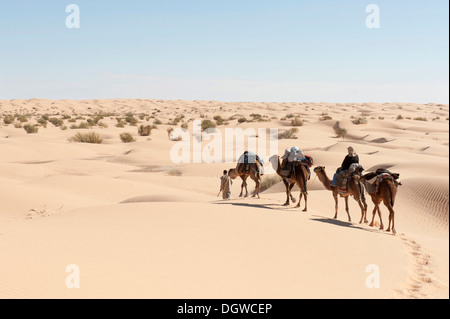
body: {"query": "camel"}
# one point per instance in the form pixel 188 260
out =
pixel 253 173
pixel 387 192
pixel 355 189
pixel 300 177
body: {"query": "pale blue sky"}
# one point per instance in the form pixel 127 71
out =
pixel 246 50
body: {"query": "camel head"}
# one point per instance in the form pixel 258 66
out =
pixel 319 169
pixel 275 161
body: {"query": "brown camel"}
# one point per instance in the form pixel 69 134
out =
pixel 355 189
pixel 252 172
pixel 299 177
pixel 387 192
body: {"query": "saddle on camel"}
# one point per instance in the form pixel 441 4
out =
pixel 250 158
pixel 350 167
pixel 342 179
pixel 373 180
pixel 294 157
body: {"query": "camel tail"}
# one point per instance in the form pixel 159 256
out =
pixel 392 192
pixel 363 190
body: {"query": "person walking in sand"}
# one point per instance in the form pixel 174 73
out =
pixel 225 186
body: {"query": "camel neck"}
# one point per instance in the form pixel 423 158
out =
pixel 325 180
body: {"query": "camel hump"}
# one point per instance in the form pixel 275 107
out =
pixel 250 158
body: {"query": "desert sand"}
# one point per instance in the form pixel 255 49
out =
pixel 139 226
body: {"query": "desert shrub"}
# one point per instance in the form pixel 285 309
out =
pixel 120 123
pixel 81 126
pixel 31 129
pixel 145 130
pixel 157 122
pixel 18 125
pixel 42 122
pixel 325 117
pixel 127 138
pixel 64 128
pixel 206 124
pixel 8 119
pixel 423 119
pixel 174 172
pixel 360 121
pixel 242 120
pixel 259 118
pixel 185 126
pixel 297 121
pixel 269 181
pixel 399 117
pixel 22 118
pixel 130 119
pixel 56 121
pixel 176 120
pixel 91 138
pixel 219 120
pixel 341 132
pixel 288 134
pixel 102 125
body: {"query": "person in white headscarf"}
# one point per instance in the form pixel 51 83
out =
pixel 351 158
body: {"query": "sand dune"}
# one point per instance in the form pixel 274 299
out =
pixel 140 226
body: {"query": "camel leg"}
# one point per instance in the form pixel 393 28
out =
pixel 336 207
pixel 363 212
pixel 292 197
pixel 257 181
pixel 391 220
pixel 258 185
pixel 347 209
pixel 291 187
pixel 366 221
pixel 288 192
pixel 299 200
pixel 363 204
pixel 306 202
pixel 379 215
pixel 245 186
pixel 242 186
pixel 373 217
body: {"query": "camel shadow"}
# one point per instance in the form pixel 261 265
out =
pixel 274 207
pixel 352 225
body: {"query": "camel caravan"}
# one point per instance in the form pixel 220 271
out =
pixel 294 167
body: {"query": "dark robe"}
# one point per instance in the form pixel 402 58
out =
pixel 348 161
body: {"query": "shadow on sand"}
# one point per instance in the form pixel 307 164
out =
pixel 275 207
pixel 341 223
pixel 314 218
